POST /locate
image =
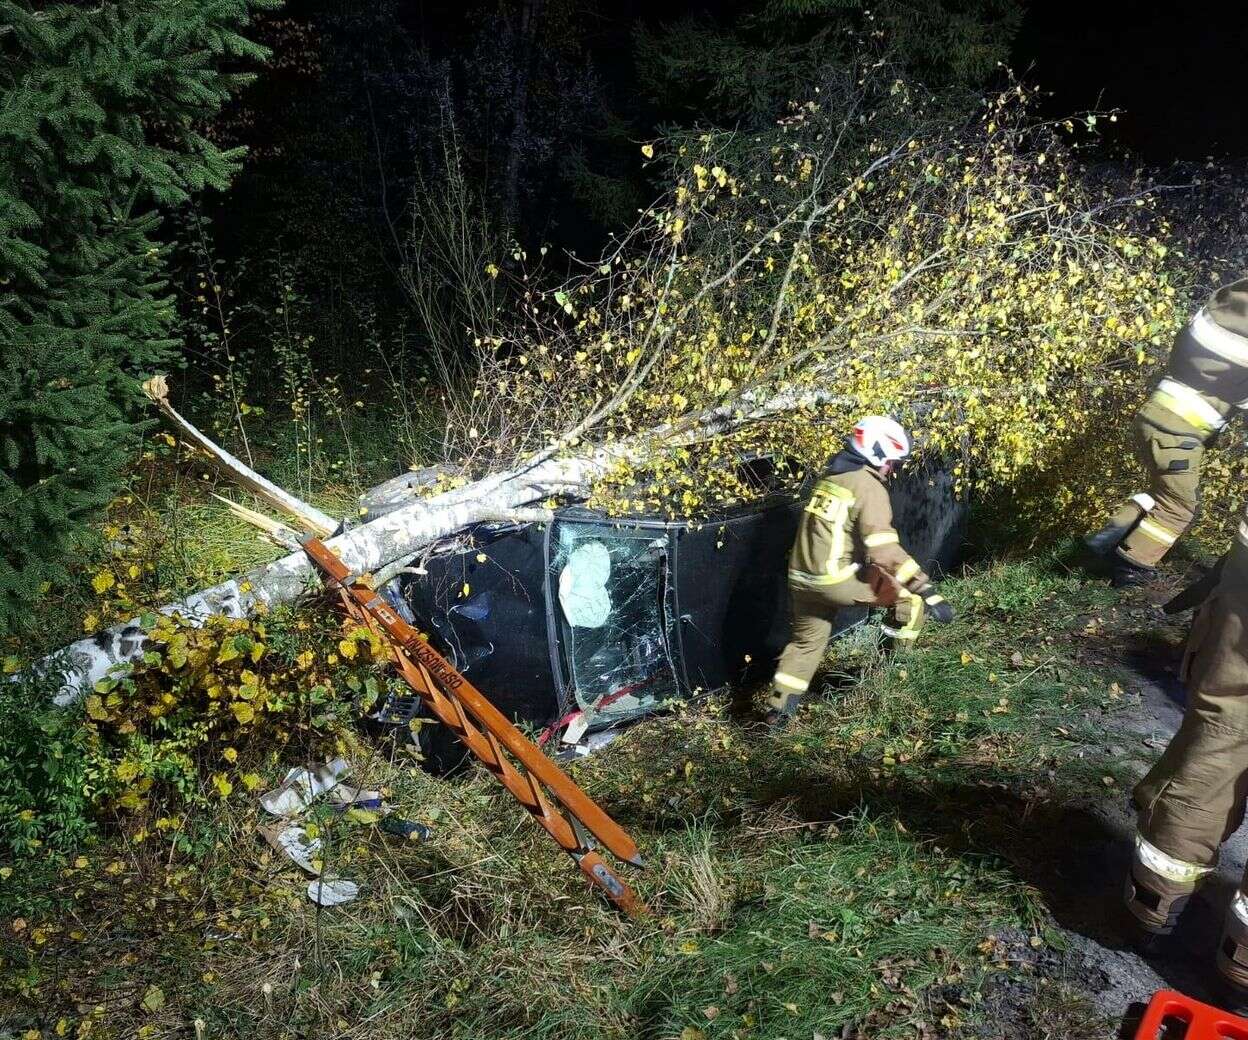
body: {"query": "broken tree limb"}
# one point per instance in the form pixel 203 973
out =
pixel 398 491
pixel 157 389
pixel 275 531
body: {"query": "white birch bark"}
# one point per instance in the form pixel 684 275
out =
pixel 157 390
pixel 364 549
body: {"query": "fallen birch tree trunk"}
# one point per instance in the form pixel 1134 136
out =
pixel 364 550
pixel 406 530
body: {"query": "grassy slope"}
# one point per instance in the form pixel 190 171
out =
pixel 863 872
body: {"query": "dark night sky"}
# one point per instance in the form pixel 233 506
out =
pixel 1176 69
pixel 1179 68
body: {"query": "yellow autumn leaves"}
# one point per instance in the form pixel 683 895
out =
pixel 967 281
pixel 217 700
pixel 362 640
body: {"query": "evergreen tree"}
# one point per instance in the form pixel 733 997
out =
pixel 102 124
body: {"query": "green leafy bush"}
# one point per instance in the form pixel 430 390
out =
pixel 211 707
pixel 208 711
pixel 43 766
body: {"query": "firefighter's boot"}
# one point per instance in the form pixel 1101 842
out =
pixel 1128 573
pixel 1109 537
pixel 779 716
pixel 1233 955
pixel 1155 901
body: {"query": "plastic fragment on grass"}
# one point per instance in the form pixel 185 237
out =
pixel 292 841
pixel 575 729
pixel 332 891
pixel 592 742
pixel 344 796
pixel 301 787
pixel 401 828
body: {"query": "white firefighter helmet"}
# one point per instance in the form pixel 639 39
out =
pixel 879 439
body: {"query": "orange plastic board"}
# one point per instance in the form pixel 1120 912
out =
pixel 1169 1009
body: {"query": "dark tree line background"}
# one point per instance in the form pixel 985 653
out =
pixel 547 101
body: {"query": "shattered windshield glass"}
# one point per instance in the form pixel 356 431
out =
pixel 612 590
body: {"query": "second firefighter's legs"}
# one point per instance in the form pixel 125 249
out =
pixel 1219 672
pixel 1148 524
pixel 812 628
pixel 1190 802
pixel 1193 799
pixel 1174 464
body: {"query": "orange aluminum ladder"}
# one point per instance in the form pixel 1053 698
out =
pixel 567 813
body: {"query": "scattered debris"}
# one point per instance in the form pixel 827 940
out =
pixel 346 797
pixel 402 828
pixel 332 891
pixel 293 842
pixel 296 793
pixel 301 788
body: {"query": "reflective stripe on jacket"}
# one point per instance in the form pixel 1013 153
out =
pixel 1207 374
pixel 848 522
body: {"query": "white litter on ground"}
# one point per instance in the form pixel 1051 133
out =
pixel 301 787
pixel 292 840
pixel 332 891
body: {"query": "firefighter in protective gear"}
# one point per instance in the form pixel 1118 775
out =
pixel 1193 798
pixel 1206 380
pixel 847 554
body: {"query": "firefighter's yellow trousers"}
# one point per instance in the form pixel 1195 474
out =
pixel 1194 797
pixel 1170 449
pixel 814 610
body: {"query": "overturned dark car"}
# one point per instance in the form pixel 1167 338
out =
pixel 603 619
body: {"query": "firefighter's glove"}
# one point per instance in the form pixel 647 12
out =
pixel 938 608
